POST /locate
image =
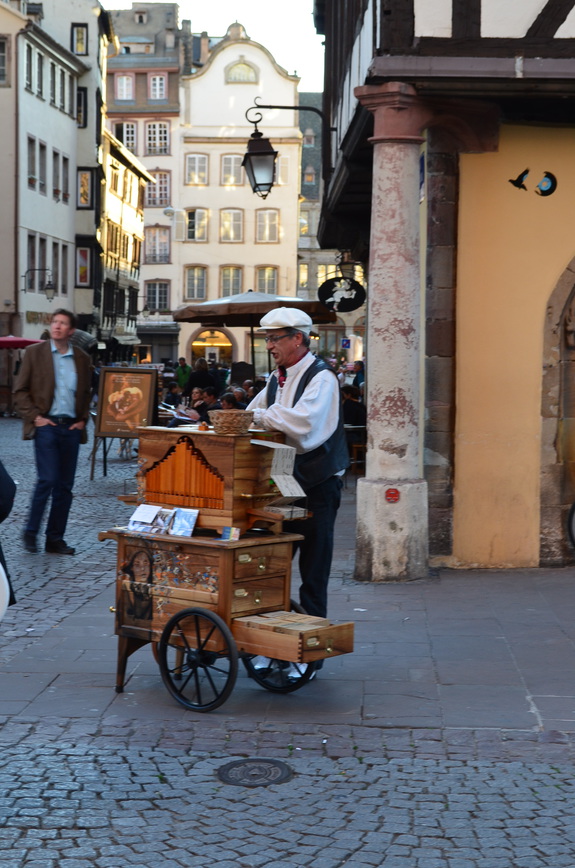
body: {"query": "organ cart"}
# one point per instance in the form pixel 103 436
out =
pixel 203 601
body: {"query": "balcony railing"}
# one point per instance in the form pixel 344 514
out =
pixel 156 258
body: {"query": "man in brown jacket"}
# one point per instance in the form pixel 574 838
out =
pixel 52 394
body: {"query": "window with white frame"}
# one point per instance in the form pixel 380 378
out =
pixel 197 224
pixel 125 132
pixel 158 86
pixel 231 225
pixel 32 177
pixel 267 226
pixel 65 179
pixel 40 74
pixel 158 194
pixel 157 138
pixel 53 84
pixel 3 60
pixel 42 167
pixel 62 91
pixel 196 281
pixel 71 96
pixel 56 188
pixel 267 279
pixel 29 69
pixel 303 274
pixel 56 264
pixel 196 169
pixel 64 269
pixel 157 241
pixel 158 294
pixel 230 280
pixel 232 173
pixel 124 87
pixel 304 223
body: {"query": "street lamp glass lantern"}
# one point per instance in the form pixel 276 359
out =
pixel 49 290
pixel 259 163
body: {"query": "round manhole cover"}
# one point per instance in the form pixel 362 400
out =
pixel 255 773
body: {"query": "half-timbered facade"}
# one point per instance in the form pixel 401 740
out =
pixel 450 175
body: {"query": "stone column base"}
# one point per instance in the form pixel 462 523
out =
pixel 392 538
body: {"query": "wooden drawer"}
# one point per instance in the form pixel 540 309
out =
pixel 286 636
pixel 256 596
pixel 261 561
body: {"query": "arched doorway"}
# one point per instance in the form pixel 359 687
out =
pixel 558 423
pixel 213 345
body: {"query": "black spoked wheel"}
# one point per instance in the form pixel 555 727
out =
pixel 279 676
pixel 198 659
pixel 571 525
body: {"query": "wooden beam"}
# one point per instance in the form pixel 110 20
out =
pixel 466 19
pixel 550 18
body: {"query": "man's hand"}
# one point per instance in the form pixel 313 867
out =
pixel 40 421
pixel 78 426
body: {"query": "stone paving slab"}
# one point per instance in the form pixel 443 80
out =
pixel 446 740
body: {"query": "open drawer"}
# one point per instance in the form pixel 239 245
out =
pixel 291 636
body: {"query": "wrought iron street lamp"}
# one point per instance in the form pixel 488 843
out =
pixel 259 160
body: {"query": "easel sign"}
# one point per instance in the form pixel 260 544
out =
pixel 126 401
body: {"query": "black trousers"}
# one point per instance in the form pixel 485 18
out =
pixel 315 551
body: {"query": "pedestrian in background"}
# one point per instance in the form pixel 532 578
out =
pixel 52 394
pixel 183 372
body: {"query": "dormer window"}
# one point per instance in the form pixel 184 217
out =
pixel 309 138
pixel 141 17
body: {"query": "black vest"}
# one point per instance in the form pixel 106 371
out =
pixel 313 468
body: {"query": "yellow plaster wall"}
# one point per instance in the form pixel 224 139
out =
pixel 513 246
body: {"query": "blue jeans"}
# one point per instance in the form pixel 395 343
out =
pixel 316 549
pixel 56 448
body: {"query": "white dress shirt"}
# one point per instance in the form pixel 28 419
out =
pixel 315 416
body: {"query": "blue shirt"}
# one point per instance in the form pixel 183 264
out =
pixel 64 403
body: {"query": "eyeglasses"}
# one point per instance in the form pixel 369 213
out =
pixel 273 339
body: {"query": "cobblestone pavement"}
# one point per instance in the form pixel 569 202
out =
pixel 444 741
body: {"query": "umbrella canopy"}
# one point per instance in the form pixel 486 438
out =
pixel 246 309
pixel 12 342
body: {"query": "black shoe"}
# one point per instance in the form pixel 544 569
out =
pixel 59 547
pixel 30 544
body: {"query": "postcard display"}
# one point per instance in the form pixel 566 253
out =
pixel 191 482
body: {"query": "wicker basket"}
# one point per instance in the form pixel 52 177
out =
pixel 231 421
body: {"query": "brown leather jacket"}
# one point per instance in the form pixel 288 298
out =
pixel 35 384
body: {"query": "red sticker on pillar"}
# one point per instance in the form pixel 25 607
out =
pixel 392 495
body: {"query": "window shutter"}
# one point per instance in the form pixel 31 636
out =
pixel 180 225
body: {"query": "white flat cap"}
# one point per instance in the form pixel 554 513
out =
pixel 286 318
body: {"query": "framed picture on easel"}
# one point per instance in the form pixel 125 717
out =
pixel 126 401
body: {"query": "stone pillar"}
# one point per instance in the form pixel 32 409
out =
pixel 392 535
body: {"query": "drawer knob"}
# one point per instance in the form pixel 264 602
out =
pixel 240 592
pixel 261 564
pixel 258 597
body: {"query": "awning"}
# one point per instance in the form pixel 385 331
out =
pixel 127 339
